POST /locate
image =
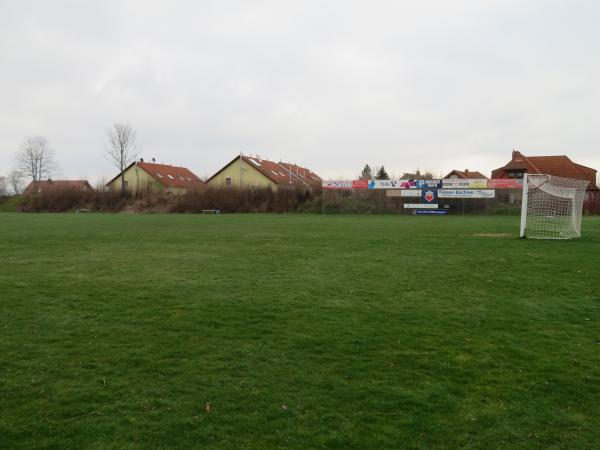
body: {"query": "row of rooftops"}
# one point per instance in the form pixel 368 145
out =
pixel 282 173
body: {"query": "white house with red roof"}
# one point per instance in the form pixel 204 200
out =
pixel 253 171
pixel 144 176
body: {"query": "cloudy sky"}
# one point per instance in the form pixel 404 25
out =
pixel 332 85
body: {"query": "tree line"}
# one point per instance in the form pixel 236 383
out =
pixel 36 160
pixel 381 174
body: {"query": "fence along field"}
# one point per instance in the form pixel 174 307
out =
pixel 427 197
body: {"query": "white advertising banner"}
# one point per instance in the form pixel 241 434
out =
pixel 458 183
pixel 410 193
pixel 466 193
pixel 421 205
pixel 387 184
pixel 337 184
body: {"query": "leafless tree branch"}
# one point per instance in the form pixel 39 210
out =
pixel 122 149
pixel 16 180
pixel 36 158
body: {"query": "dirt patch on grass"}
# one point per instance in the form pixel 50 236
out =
pixel 493 235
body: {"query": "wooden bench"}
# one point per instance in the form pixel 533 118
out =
pixel 211 211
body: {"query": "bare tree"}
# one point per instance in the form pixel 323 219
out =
pixel 122 149
pixel 15 180
pixel 36 159
pixel 2 186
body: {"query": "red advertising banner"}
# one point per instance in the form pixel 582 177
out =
pixel 505 183
pixel 360 184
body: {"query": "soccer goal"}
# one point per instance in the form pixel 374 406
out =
pixel 551 207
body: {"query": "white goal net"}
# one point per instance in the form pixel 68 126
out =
pixel 552 207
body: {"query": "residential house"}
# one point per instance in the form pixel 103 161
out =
pixel 144 176
pixel 560 166
pixel 253 171
pixel 50 185
pixel 465 175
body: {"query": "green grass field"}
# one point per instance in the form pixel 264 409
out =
pixel 296 331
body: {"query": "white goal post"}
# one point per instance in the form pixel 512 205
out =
pixel 551 207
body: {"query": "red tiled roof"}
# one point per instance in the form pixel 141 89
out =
pixel 275 172
pixel 467 174
pixel 560 166
pixel 303 173
pixel 54 185
pixel 171 176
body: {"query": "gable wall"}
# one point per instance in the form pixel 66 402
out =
pixel 137 180
pixel 248 176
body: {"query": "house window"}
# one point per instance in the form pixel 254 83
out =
pixel 227 181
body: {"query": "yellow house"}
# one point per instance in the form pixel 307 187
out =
pixel 143 176
pixel 246 171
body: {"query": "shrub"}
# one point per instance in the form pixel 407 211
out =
pixel 61 200
pixel 591 204
pixel 227 200
pixel 231 200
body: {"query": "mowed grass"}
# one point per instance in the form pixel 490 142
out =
pixel 296 331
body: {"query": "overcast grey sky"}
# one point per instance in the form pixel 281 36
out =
pixel 332 85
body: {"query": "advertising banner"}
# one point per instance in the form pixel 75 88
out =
pixel 429 196
pixel 385 184
pixel 436 212
pixel 505 183
pixel 360 184
pixel 410 193
pixel 429 183
pixel 467 193
pixel 457 183
pixel 420 206
pixel 337 184
pixel 408 184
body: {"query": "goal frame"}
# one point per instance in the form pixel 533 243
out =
pixel 536 218
pixel 524 202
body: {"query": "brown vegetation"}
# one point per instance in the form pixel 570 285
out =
pixel 227 200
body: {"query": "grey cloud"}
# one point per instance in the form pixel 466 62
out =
pixel 332 85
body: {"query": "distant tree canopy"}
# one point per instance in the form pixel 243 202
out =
pixel 16 181
pixel 382 174
pixel 366 173
pixel 36 159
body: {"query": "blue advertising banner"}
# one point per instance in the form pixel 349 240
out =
pixel 435 212
pixel 429 183
pixel 429 196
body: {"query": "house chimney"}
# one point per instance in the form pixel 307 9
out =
pixel 141 159
pixel 153 159
pixel 515 154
